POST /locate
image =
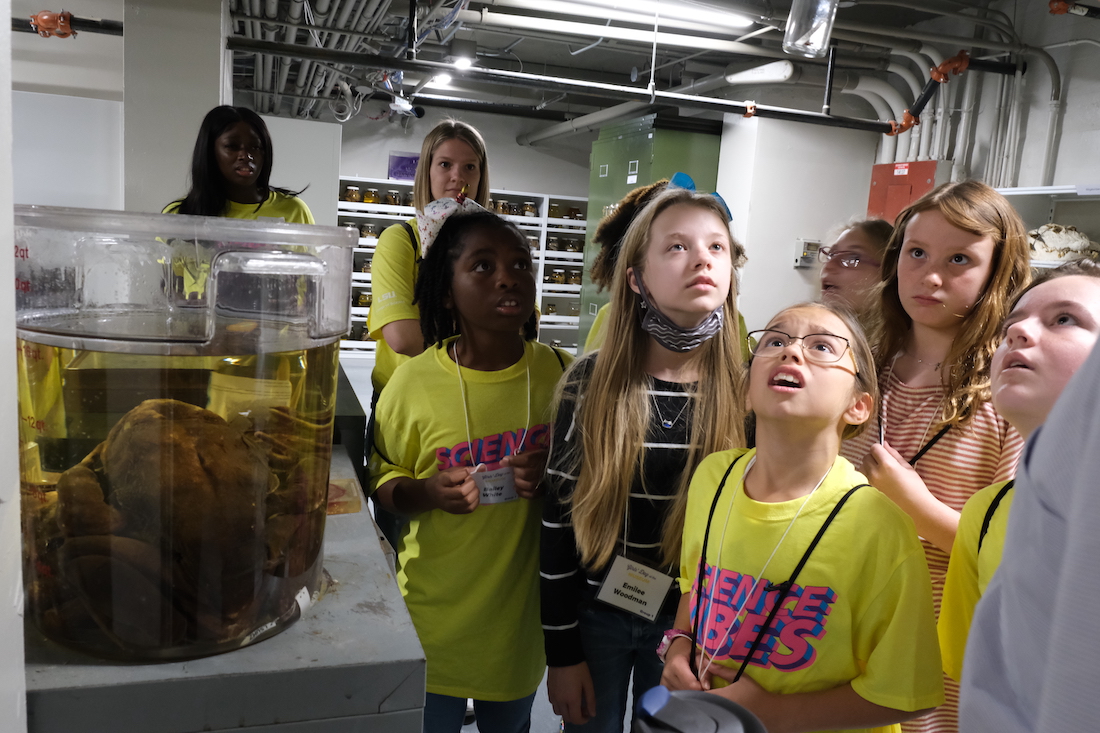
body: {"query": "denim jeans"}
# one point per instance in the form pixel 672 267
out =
pixel 444 714
pixel 615 644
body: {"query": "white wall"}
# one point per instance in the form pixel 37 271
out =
pixel 88 65
pixel 173 77
pixel 786 181
pixel 308 154
pixel 559 167
pixel 13 701
pixel 69 150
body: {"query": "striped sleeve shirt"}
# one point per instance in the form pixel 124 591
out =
pixel 566 585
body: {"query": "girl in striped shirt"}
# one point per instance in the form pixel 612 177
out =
pixel 633 421
pixel 952 267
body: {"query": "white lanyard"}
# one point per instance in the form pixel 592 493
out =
pixel 760 575
pixel 466 413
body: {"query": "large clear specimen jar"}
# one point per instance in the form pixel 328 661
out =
pixel 809 27
pixel 177 378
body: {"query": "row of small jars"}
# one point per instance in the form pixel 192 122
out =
pixel 353 195
pixel 359 332
pixel 563 276
pixel 572 308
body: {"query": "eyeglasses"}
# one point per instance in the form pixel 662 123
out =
pixel 823 348
pixel 845 258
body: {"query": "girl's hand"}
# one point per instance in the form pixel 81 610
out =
pixel 748 694
pixel 528 468
pixel 891 474
pixel 572 693
pixel 453 491
pixel 677 674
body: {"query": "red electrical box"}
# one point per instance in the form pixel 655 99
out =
pixel 896 185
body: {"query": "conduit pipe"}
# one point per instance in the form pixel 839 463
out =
pixel 537 81
pixel 486 19
pixel 919 137
pixel 941 117
pixel 775 72
pixel 961 169
pixel 1008 175
pixel 1052 67
pixel 887 143
pixel 897 105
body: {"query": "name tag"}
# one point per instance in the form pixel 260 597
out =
pixel 634 588
pixel 496 487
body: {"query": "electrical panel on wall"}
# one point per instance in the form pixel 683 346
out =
pixel 805 252
pixel 896 185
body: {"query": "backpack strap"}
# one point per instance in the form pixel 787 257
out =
pixel 561 361
pixel 993 510
pixel 785 587
pixel 412 240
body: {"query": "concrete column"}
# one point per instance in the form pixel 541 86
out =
pixel 177 69
pixel 13 699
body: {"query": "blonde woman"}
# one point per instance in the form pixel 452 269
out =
pixel 633 421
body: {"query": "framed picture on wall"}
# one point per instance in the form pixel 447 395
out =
pixel 403 166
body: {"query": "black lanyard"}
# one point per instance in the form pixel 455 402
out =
pixel 784 588
pixel 925 448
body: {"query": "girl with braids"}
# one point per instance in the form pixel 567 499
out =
pixel 460 447
pixel 633 420
pixel 806 595
pixel 956 259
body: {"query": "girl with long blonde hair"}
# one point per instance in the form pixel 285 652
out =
pixel 633 421
pixel 956 259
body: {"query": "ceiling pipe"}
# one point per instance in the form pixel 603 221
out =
pixel 920 137
pixel 512 78
pixel 628 110
pixel 485 19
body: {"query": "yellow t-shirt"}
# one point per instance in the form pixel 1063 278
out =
pixel 290 209
pixel 471 582
pixel 860 610
pixel 598 332
pixel 970 571
pixel 193 274
pixel 394 269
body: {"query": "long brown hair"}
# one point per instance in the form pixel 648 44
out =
pixel 449 129
pixel 972 207
pixel 613 412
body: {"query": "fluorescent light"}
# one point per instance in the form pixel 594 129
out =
pixel 463 62
pixel 684 9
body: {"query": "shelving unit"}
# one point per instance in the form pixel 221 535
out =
pixel 1077 206
pixel 556 245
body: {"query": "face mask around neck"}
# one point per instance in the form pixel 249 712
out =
pixel 672 336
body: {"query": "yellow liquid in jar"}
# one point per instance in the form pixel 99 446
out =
pixel 173 506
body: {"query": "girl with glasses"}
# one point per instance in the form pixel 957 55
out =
pixel 804 590
pixel 850 265
pixel 954 263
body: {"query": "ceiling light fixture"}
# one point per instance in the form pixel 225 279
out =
pixel 462 53
pixel 685 9
pixel 440 80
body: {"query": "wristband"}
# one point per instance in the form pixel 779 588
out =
pixel 666 641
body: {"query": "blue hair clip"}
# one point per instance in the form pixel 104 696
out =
pixel 683 180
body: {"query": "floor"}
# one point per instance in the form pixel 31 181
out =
pixel 543 719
